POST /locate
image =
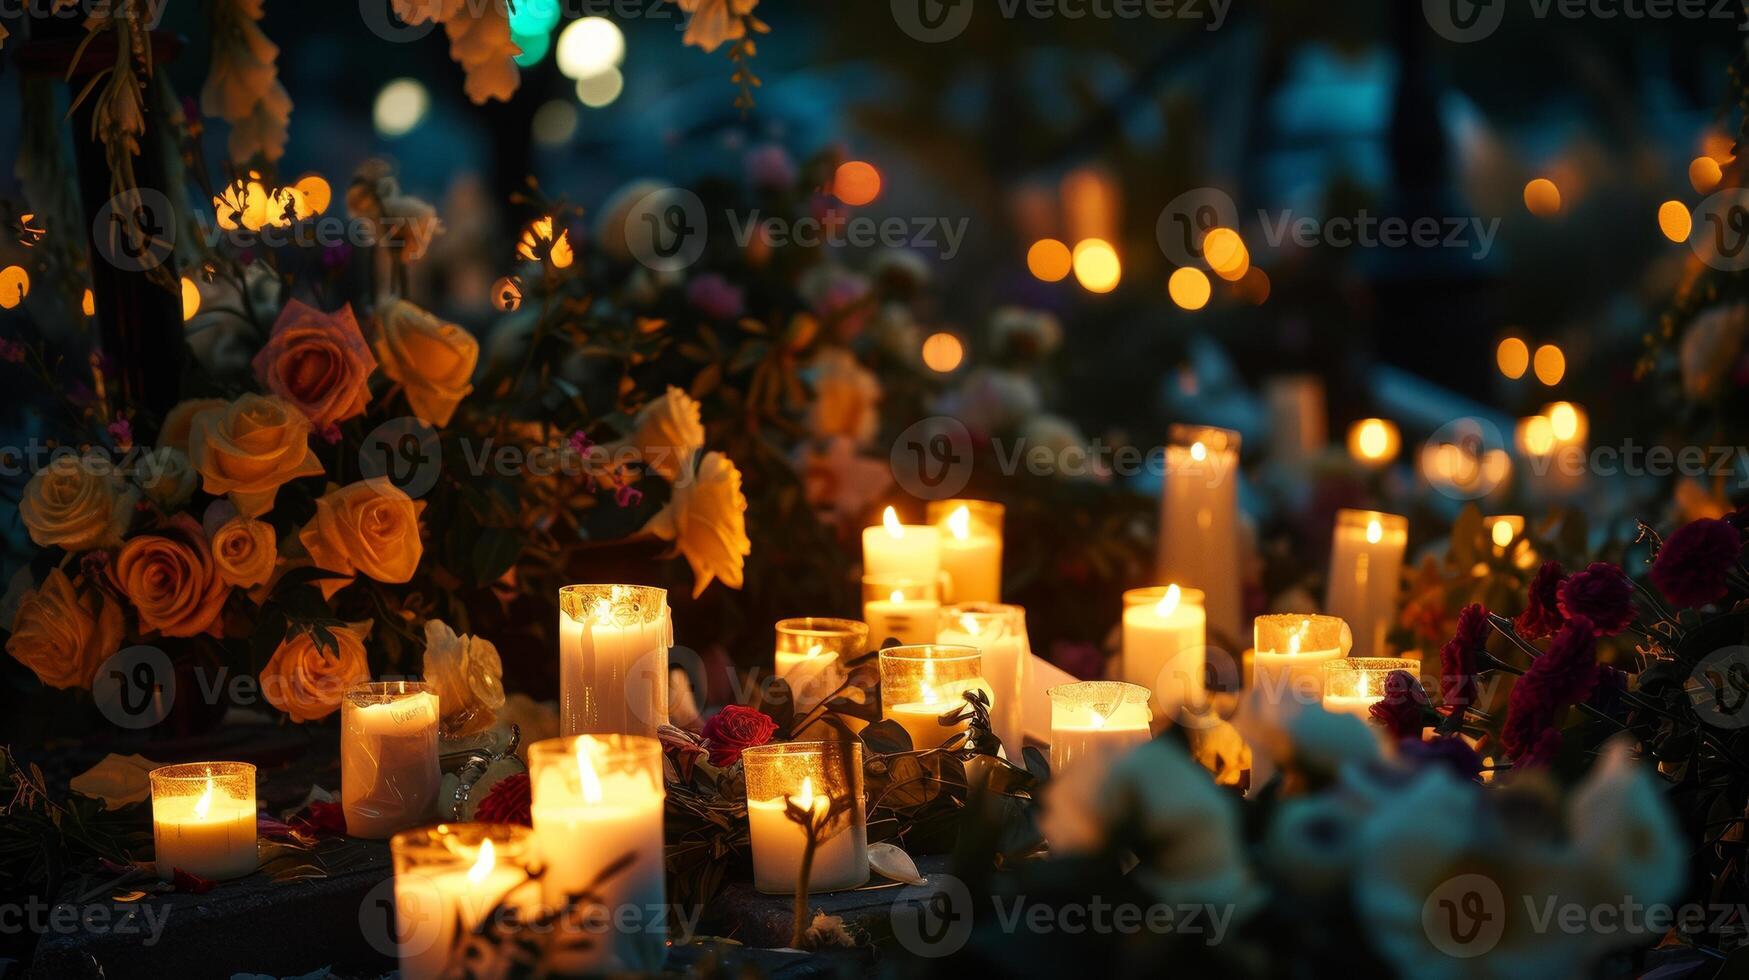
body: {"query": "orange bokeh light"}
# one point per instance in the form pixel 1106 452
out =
pixel 856 183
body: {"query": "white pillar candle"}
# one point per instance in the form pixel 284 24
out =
pixel 448 879
pixel 203 820
pixel 814 776
pixel 1095 723
pixel 1366 567
pixel 971 548
pixel 613 659
pixel 813 654
pixel 1199 520
pixel 1352 685
pixel 597 813
pixel 998 632
pixel 1165 642
pixel 901 607
pixel 921 683
pixel 389 775
pixel 891 548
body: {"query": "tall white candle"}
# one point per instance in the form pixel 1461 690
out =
pixel 613 659
pixel 389 775
pixel 813 776
pixel 998 632
pixel 901 607
pixel 597 814
pixel 1366 567
pixel 1199 520
pixel 971 548
pixel 1165 641
pixel 891 548
pixel 448 879
pixel 1095 723
pixel 203 820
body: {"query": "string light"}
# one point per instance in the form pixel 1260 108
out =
pixel 1189 288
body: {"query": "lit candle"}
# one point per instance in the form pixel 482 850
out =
pixel 1290 653
pixel 1374 442
pixel 203 820
pixel 597 813
pixel 613 659
pixel 891 548
pixel 1165 638
pixel 389 776
pixel 814 776
pixel 1366 568
pixel 1354 684
pixel 812 653
pixel 1097 722
pixel 448 879
pixel 999 633
pixel 1199 520
pixel 921 683
pixel 901 607
pixel 971 548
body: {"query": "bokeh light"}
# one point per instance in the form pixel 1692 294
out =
pixel 943 352
pixel 1254 288
pixel 190 298
pixel 1542 197
pixel 400 107
pixel 555 123
pixel 601 88
pixel 314 195
pixel 1226 254
pixel 1513 357
pixel 88 303
pixel 1674 221
pixel 534 16
pixel 1550 364
pixel 1096 265
pixel 590 46
pixel 1048 260
pixel 1567 422
pixel 856 183
pixel 1704 174
pixel 1189 288
pixel 14 286
pixel 1536 435
pixel 1374 442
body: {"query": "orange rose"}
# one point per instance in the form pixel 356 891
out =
pixel 63 636
pixel 257 444
pixel 77 503
pixel 171 578
pixel 318 362
pixel 433 360
pixel 369 528
pixel 179 423
pixel 245 551
pixel 307 682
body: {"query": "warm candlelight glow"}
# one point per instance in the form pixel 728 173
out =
pixel 613 659
pixel 810 654
pixel 890 520
pixel 205 804
pixel 1169 601
pixel 923 682
pixel 586 778
pixel 960 522
pixel 1502 533
pixel 1374 531
pixel 1198 451
pixel 483 865
pixel 971 548
pixel 897 596
pixel 448 878
pixel 815 777
pixel 1096 722
pixel 203 819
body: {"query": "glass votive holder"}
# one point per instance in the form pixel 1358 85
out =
pixel 1289 651
pixel 389 773
pixel 451 879
pixel 813 652
pixel 203 820
pixel 971 547
pixel 999 633
pixel 1098 720
pixel 597 803
pixel 823 780
pixel 923 682
pixel 613 659
pixel 1352 685
pixel 906 608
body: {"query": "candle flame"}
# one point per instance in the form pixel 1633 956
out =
pixel 897 596
pixel 814 651
pixel 928 693
pixel 1198 451
pixel 590 783
pixel 483 864
pixel 960 522
pixel 1098 719
pixel 1297 636
pixel 969 623
pixel 1169 602
pixel 890 518
pixel 804 797
pixel 205 804
pixel 1374 531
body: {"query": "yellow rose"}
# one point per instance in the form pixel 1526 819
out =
pixel 468 677
pixel 245 551
pixel 667 432
pixel 707 520
pixel 250 449
pixel 431 359
pixel 847 397
pixel 77 503
pixel 63 636
pixel 179 423
pixel 369 528
pixel 307 682
pixel 170 577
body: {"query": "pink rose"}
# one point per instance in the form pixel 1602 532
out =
pixel 318 362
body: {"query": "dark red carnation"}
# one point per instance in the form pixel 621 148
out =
pixel 1400 711
pixel 1692 564
pixel 1602 594
pixel 1565 675
pixel 1457 659
pixel 507 801
pixel 735 728
pixel 1542 615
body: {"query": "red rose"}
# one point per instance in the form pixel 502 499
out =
pixel 507 801
pixel 733 729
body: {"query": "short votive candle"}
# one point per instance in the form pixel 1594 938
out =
pixel 613 659
pixel 901 607
pixel 1352 685
pixel 389 775
pixel 813 652
pixel 1097 722
pixel 998 632
pixel 817 777
pixel 971 547
pixel 923 682
pixel 1290 652
pixel 448 880
pixel 203 820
